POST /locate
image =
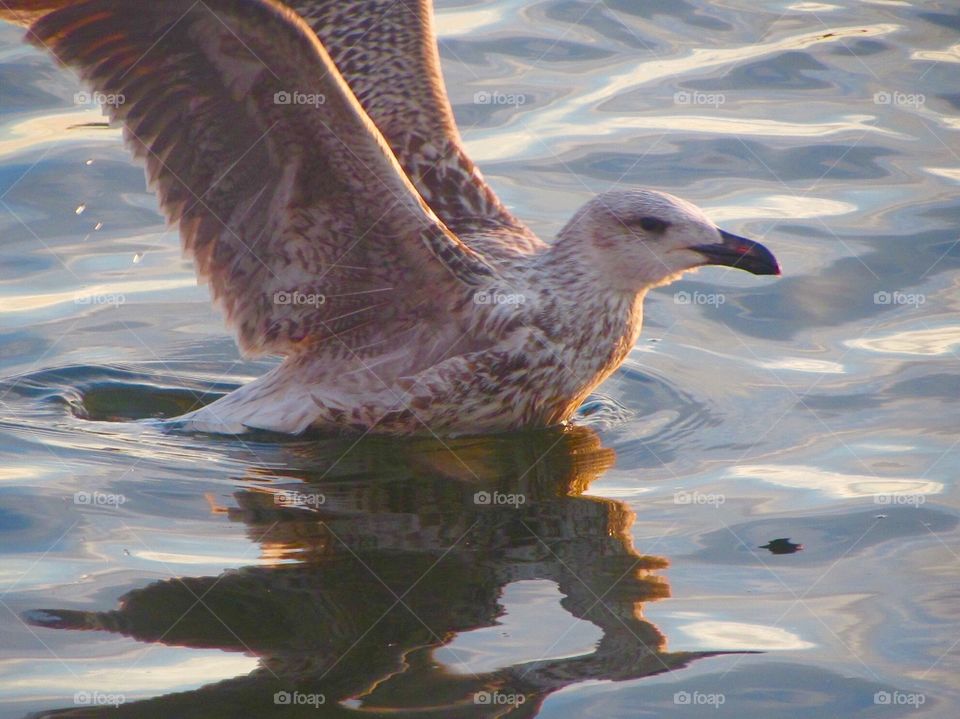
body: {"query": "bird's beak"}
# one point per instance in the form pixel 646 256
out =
pixel 739 252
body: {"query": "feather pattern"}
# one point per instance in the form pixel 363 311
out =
pixel 387 52
pixel 256 145
pixel 322 190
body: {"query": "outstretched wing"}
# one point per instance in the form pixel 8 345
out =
pixel 288 198
pixel 386 50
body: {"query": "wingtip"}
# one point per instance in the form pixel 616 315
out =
pixel 26 12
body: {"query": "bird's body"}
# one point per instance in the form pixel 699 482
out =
pixel 512 366
pixel 322 190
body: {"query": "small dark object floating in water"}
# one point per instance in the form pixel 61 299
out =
pixel 782 546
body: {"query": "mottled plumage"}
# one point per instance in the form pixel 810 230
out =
pixel 311 158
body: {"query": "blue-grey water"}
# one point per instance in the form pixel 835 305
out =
pixel 757 516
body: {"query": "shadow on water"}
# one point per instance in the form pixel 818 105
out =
pixel 374 559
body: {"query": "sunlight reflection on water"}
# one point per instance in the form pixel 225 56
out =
pixel 818 408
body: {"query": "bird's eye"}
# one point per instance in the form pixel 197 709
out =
pixel 653 224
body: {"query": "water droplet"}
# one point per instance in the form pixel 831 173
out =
pixel 80 208
pixel 88 162
pixel 137 257
pixel 98 226
pixel 126 552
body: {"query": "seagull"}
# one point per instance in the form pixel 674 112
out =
pixel 309 153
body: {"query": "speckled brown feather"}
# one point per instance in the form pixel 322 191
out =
pixel 387 52
pixel 420 330
pixel 271 198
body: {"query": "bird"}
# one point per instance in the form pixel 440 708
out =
pixel 309 153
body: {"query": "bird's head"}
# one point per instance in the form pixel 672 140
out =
pixel 639 239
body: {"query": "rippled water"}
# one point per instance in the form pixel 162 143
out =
pixel 757 516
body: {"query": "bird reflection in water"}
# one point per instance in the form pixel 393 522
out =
pixel 379 558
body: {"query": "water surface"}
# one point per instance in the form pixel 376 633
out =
pixel 757 515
